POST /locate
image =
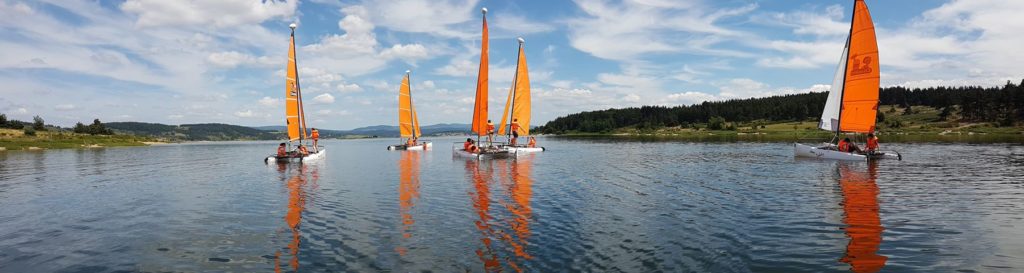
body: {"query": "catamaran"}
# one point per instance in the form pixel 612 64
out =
pixel 295 116
pixel 519 102
pixel 479 125
pixel 853 101
pixel 408 122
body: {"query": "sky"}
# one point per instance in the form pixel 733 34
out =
pixel 223 61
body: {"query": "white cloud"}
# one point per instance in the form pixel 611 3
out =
pixel 687 98
pixel 21 110
pixel 231 59
pixel 348 88
pixel 409 53
pixel 458 68
pixel 245 114
pixel 271 102
pixel 218 13
pixel 434 17
pixel 64 107
pixel 633 29
pixel 325 98
pixel 516 25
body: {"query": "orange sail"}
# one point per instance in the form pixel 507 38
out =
pixel 519 97
pixel 406 127
pixel 864 226
pixel 292 94
pixel 480 106
pixel 860 91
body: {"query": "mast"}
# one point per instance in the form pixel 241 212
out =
pixel 298 89
pixel 479 125
pixel 846 70
pixel 412 112
pixel 515 77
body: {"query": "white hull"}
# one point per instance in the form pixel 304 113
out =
pixel 800 150
pixel 425 145
pixel 459 152
pixel 524 150
pixel 309 158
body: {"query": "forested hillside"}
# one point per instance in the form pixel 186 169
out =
pixel 1003 106
pixel 205 131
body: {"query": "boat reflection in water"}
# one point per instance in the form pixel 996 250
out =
pixel 295 178
pixel 504 226
pixel 408 193
pixel 860 209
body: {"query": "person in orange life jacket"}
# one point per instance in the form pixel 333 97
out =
pixel 532 143
pixel 282 151
pixel 515 131
pixel 465 145
pixel 872 143
pixel 490 131
pixel 303 151
pixel 848 146
pixel 411 142
pixel 316 136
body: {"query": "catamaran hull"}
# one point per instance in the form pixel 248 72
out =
pixel 461 153
pixel 309 158
pixel 800 150
pixel 424 146
pixel 525 150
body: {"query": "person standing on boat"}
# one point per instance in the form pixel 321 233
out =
pixel 515 131
pixel 315 134
pixel 872 145
pixel 490 131
pixel 282 151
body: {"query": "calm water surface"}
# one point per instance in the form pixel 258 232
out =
pixel 584 205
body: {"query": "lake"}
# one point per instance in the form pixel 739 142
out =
pixel 585 205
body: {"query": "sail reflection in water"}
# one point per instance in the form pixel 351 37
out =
pixel 860 209
pixel 504 234
pixel 408 193
pixel 297 176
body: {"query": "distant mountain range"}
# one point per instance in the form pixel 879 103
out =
pixel 384 130
pixel 218 131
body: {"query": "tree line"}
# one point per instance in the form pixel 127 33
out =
pixel 1002 105
pixel 38 124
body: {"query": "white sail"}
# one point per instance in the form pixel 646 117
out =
pixel 830 115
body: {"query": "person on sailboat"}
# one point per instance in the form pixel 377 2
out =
pixel 532 143
pixel 411 142
pixel 490 131
pixel 848 146
pixel 316 136
pixel 515 131
pixel 282 151
pixel 872 145
pixel 303 151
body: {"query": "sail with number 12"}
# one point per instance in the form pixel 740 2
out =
pixel 853 101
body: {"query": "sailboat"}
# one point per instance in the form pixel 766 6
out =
pixel 295 116
pixel 519 102
pixel 479 124
pixel 408 122
pixel 853 101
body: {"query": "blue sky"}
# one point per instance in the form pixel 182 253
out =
pixel 223 60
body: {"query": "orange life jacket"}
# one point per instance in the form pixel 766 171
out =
pixel 316 134
pixel 532 143
pixel 303 150
pixel 844 146
pixel 281 151
pixel 490 127
pixel 873 143
pixel 515 126
pixel 466 145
